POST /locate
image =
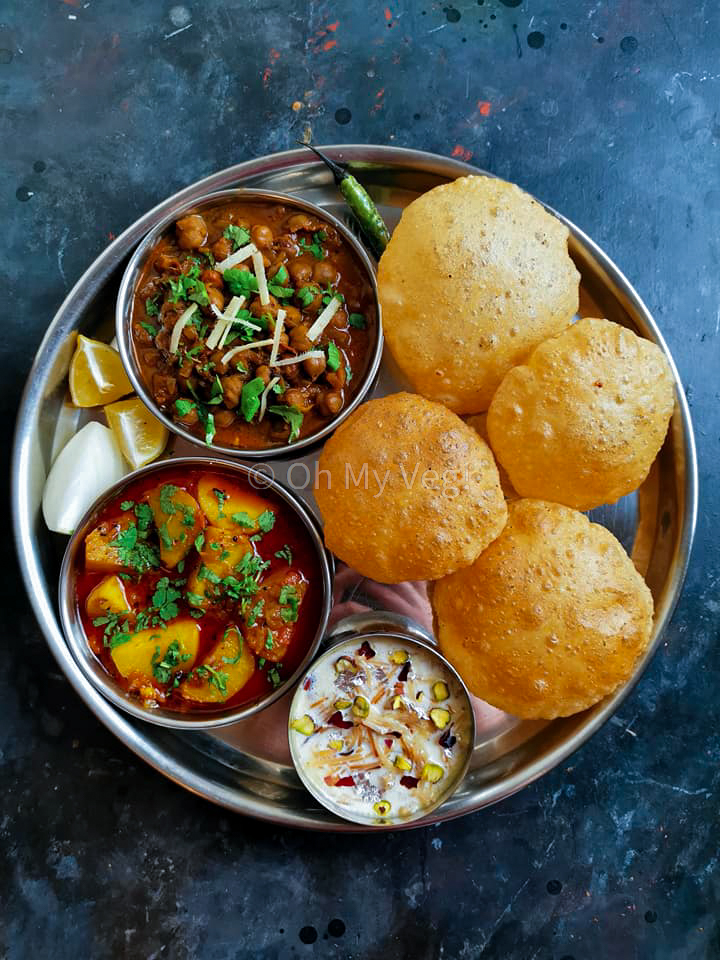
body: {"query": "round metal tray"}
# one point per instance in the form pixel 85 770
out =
pixel 246 767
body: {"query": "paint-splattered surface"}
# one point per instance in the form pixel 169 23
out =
pixel 607 111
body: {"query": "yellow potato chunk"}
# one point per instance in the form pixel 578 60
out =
pixel 227 505
pixel 221 551
pixel 178 520
pixel 100 553
pixel 157 654
pixel 108 596
pixel 223 672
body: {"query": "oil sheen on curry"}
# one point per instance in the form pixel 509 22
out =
pixel 252 324
pixel 196 592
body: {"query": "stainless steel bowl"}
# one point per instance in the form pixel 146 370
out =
pixel 93 669
pixel 349 633
pixel 124 305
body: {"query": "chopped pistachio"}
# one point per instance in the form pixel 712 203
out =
pixel 440 691
pixel 341 704
pixel 360 707
pixel 402 762
pixel 382 808
pixel 432 773
pixel 399 656
pixel 304 725
pixel 343 665
pixel 440 717
pixel 398 703
pixel 336 744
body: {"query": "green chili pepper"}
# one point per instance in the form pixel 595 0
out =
pixel 359 201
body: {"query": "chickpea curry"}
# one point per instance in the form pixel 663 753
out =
pixel 196 592
pixel 253 324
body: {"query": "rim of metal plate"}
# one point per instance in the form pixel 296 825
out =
pixel 162 752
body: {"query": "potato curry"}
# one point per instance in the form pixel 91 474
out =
pixel 197 592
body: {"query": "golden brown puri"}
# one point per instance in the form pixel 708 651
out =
pixel 407 491
pixel 582 421
pixel 478 421
pixel 549 619
pixel 475 276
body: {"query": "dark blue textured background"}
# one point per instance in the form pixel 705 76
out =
pixel 608 111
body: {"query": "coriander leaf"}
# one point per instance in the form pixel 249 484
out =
pixel 285 554
pixel 315 247
pixel 348 372
pixel 333 357
pixel 251 617
pixel 151 307
pixel 216 678
pixel 357 320
pixel 238 236
pixel 144 517
pixel 151 328
pixel 199 541
pixel 127 504
pixel 291 415
pixel 241 283
pixel 307 294
pixel 165 665
pixel 266 521
pixel 164 534
pixel 250 398
pixel 184 406
pixel 167 504
pixel 244 519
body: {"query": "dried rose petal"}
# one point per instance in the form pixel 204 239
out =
pixel 404 673
pixel 308 683
pixel 409 782
pixel 388 743
pixel 366 650
pixel 346 782
pixel 336 720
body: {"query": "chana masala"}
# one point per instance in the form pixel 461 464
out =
pixel 197 592
pixel 252 323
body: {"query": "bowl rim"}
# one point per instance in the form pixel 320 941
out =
pixel 124 304
pixel 93 669
pixel 353 635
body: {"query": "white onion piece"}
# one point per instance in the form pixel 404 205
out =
pixel 65 428
pixel 235 258
pixel 89 464
pixel 259 268
pixel 180 324
pixel 245 346
pixel 324 319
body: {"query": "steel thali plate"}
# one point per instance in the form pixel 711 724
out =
pixel 246 767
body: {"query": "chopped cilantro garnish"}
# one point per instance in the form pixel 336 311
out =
pixel 288 595
pixel 165 665
pixel 348 372
pixel 291 415
pixel 164 599
pixel 357 320
pixel 244 519
pixel 195 599
pixel 238 236
pixel 285 554
pixel 127 504
pixel 133 551
pixel 115 632
pixel 250 398
pixel 164 534
pixel 277 287
pixel 151 328
pixel 241 283
pixel 266 521
pixel 221 497
pixel 167 504
pixel 199 541
pixel 333 357
pixel 252 616
pixel 144 516
pixel 315 248
pixel 269 639
pixel 151 307
pixel 274 676
pixel 307 294
pixel 184 406
pixel 216 678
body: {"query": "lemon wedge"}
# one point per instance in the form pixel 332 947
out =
pixel 96 374
pixel 140 435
